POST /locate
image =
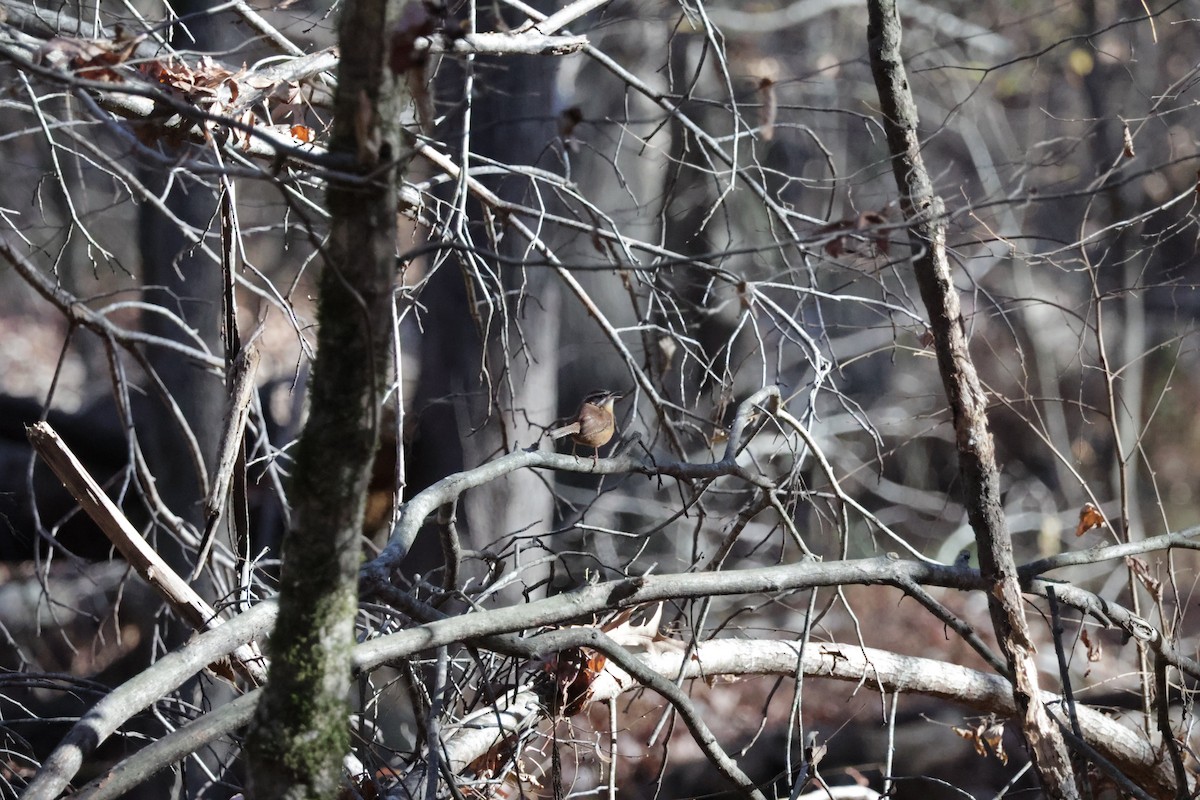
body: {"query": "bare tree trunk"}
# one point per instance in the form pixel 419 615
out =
pixel 180 277
pixel 977 457
pixel 301 733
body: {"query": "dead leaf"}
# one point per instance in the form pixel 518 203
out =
pixel 260 82
pixel 851 232
pixel 874 219
pixel 837 245
pixel 767 110
pixel 641 636
pixel 667 347
pixel 223 669
pixel 91 59
pixel 573 672
pixel 1089 517
pixel 1141 571
pixel 813 752
pixel 502 782
pixel 987 736
pixel 1095 650
pixel 568 120
pixel 415 21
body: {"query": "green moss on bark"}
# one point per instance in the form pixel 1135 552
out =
pixel 301 732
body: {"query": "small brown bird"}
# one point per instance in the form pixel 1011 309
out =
pixel 593 425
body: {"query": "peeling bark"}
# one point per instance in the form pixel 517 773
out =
pixel 924 211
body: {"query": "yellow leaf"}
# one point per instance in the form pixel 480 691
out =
pixel 1081 61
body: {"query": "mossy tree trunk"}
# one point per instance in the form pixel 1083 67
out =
pixel 926 217
pixel 300 734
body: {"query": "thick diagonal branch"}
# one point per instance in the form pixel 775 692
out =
pixel 925 214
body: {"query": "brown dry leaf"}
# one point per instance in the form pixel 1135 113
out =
pixel 641 636
pixel 415 21
pixel 1095 650
pixel 89 58
pixel 874 219
pixel 223 669
pixel 494 762
pixel 667 347
pixel 569 120
pixel 205 82
pixel 987 736
pixel 837 245
pixel 1089 517
pixel 994 737
pixel 240 135
pixel 625 632
pixel 173 76
pixel 573 671
pixel 225 95
pixel 856 231
pixel 813 752
pixel 259 81
pixel 499 782
pixel 1141 571
pixel 767 110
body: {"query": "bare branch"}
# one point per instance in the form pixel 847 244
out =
pixel 887 671
pixel 968 402
pixel 527 43
pixel 167 674
pixel 140 555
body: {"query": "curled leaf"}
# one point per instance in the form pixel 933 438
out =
pixel 1089 517
pixel 987 736
pixel 1127 142
pixel 572 673
pixel 768 110
pixel 1141 571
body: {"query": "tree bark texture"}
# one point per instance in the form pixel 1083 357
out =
pixel 925 214
pixel 301 733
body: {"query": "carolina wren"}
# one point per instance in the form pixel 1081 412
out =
pixel 593 425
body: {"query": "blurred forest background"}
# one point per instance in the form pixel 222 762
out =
pixel 696 205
